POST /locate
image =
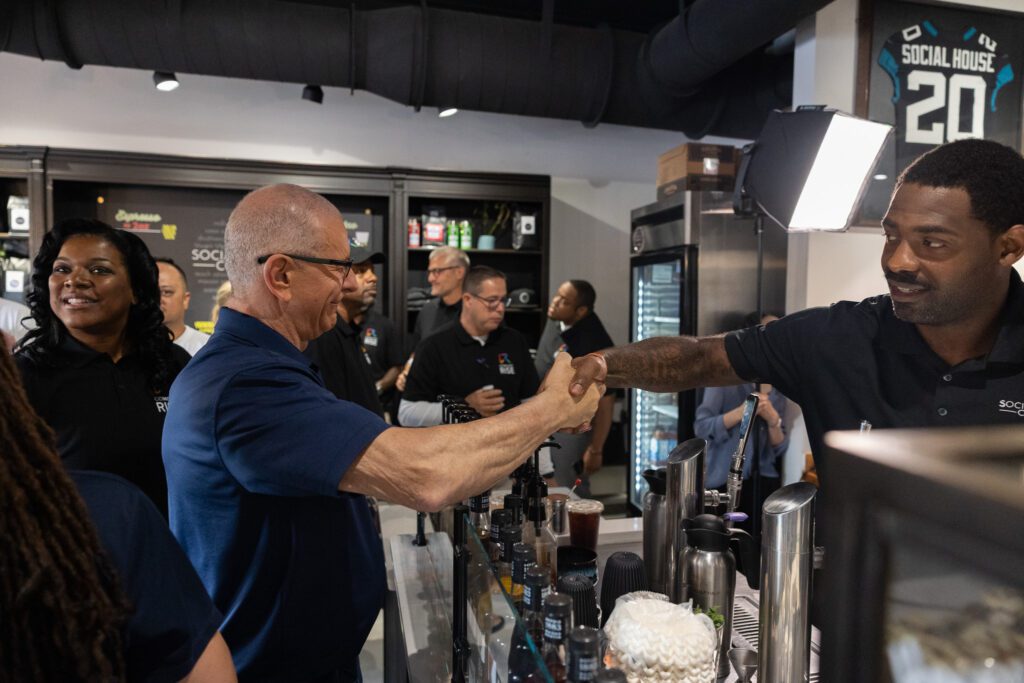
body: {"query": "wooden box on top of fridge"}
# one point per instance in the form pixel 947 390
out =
pixel 696 166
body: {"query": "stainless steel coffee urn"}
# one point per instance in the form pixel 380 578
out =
pixel 684 494
pixel 787 554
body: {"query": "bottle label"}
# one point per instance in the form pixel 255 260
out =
pixel 584 669
pixel 554 629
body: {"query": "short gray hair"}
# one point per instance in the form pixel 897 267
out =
pixel 451 255
pixel 272 220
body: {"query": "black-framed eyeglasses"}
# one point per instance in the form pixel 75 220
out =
pixel 438 271
pixel 492 304
pixel 340 266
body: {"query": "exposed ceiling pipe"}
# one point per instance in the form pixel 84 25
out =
pixel 423 56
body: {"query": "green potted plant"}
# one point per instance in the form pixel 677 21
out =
pixel 494 219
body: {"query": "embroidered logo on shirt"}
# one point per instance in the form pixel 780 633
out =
pixel 370 336
pixel 161 404
pixel 505 366
pixel 1012 407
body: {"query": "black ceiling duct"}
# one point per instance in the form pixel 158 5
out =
pixel 703 73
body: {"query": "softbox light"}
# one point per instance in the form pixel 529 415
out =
pixel 809 168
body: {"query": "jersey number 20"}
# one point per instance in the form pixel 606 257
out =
pixel 939 133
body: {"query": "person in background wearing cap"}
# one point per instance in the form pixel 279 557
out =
pixel 174 300
pixel 574 327
pixel 340 353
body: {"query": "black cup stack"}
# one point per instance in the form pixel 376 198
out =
pixel 584 598
pixel 623 573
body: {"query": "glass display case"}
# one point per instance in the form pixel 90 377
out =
pixel 924 546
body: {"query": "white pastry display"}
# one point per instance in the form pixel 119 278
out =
pixel 654 640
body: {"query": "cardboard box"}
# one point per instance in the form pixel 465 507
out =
pixel 695 166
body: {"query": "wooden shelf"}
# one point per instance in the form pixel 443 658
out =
pixel 14 235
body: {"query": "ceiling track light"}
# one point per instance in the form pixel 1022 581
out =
pixel 313 93
pixel 165 81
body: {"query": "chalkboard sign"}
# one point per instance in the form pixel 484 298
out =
pixel 940 74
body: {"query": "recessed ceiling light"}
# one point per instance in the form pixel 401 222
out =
pixel 880 176
pixel 165 80
pixel 447 111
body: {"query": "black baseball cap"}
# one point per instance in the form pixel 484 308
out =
pixel 365 255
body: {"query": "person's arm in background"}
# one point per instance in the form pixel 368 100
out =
pixel 593 457
pixel 389 378
pixel 772 408
pixel 426 469
pixel 713 421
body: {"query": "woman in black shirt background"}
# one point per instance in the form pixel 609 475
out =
pixel 99 364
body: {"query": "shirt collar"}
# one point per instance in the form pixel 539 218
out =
pixel 1009 346
pixel 903 337
pixel 257 333
pixel 78 354
pixel 465 339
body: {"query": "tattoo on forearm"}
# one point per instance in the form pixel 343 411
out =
pixel 666 364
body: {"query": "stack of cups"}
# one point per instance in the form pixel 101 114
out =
pixel 584 598
pixel 623 573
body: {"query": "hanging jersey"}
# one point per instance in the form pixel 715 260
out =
pixel 946 86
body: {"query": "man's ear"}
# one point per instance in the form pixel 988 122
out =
pixel 1011 245
pixel 188 299
pixel 277 276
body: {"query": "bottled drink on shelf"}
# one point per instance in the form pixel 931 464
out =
pixel 414 233
pixel 453 234
pixel 514 504
pixel 465 235
pixel 522 662
pixel 557 625
pixel 523 558
pixel 479 509
pixel 584 655
pixel 499 520
pixel 510 535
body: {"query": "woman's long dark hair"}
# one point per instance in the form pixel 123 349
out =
pixel 145 333
pixel 61 605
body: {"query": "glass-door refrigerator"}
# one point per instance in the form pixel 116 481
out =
pixel 694 272
pixel 663 288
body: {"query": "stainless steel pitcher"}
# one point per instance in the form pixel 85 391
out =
pixel 656 545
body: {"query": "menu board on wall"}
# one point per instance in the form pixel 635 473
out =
pixel 187 225
pixel 940 74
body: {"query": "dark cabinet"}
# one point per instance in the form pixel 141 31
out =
pixel 180 205
pixel 22 215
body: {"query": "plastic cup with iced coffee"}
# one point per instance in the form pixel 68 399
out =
pixel 584 522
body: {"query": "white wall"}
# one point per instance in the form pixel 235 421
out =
pixel 598 175
pixel 593 242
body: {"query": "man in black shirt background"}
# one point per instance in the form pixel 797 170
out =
pixel 574 327
pixel 944 347
pixel 476 358
pixel 339 353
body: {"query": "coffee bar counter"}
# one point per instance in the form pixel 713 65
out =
pixel 422 577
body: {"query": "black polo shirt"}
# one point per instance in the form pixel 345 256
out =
pixel 858 361
pixel 586 336
pixel 382 344
pixel 345 366
pixel 104 414
pixel 452 362
pixel 434 315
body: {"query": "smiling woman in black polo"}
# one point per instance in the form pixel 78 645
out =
pixel 99 364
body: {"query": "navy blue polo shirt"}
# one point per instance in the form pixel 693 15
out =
pixel 254 448
pixel 172 619
pixel 858 361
